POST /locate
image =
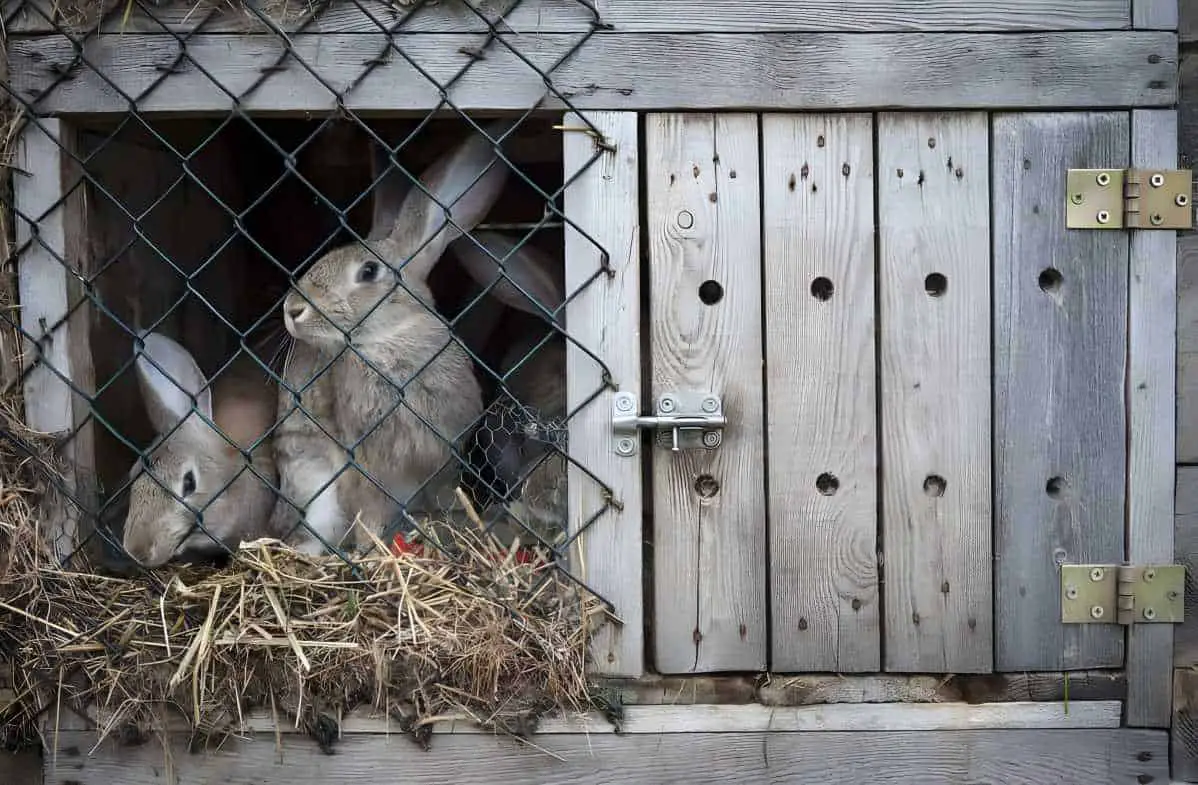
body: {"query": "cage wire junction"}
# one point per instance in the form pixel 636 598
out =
pixel 504 465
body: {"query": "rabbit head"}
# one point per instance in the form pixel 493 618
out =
pixel 368 293
pixel 193 468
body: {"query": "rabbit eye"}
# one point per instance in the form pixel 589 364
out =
pixel 368 272
pixel 189 484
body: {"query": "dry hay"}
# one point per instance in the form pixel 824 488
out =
pixel 468 633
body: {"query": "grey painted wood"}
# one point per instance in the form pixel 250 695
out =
pixel 1187 267
pixel 1152 427
pixel 545 16
pixel 1155 14
pixel 818 223
pixel 697 71
pixel 1185 551
pixel 1060 332
pixel 1012 757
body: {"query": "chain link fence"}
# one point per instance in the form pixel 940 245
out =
pixel 322 329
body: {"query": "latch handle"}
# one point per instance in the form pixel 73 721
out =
pixel 682 421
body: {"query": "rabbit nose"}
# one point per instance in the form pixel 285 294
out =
pixel 297 310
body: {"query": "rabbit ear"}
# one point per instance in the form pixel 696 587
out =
pixel 529 267
pixel 466 182
pixel 168 395
pixel 391 186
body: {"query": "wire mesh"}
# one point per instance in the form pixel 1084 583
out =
pixel 491 410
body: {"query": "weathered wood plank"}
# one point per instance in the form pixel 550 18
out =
pixel 1152 427
pixel 971 688
pixel 1184 730
pixel 1187 346
pixel 1155 14
pixel 21 768
pixel 1013 757
pixel 604 318
pixel 753 718
pixel 51 249
pixel 723 71
pixel 1060 332
pixel 705 293
pixel 624 16
pixel 818 235
pixel 934 245
pixel 1185 550
pixel 1187 25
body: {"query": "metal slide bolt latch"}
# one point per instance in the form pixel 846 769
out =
pixel 682 421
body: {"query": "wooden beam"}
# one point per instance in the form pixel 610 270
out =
pixel 1185 548
pixel 1187 266
pixel 1060 351
pixel 818 233
pixel 703 220
pixel 934 263
pixel 1017 757
pixel 51 248
pixel 699 72
pixel 1155 14
pixel 603 204
pixel 1184 730
pixel 625 16
pixel 1152 426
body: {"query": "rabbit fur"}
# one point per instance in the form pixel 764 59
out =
pixel 194 460
pixel 351 312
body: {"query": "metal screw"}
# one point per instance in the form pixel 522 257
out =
pixel 667 404
pixel 623 403
pixel 1149 573
pixel 685 219
pixel 1103 179
pixel 1157 180
pixel 1103 216
pixel 710 404
pixel 1097 574
pixel 1171 594
pixel 1157 219
pixel 625 446
pixel 1149 614
pixel 711 439
pixel 1097 611
pixel 1182 200
pixel 1071 592
pixel 1077 198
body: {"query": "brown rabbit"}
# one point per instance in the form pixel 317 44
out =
pixel 403 390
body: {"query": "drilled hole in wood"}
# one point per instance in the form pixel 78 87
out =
pixel 1055 487
pixel 934 485
pixel 935 284
pixel 710 292
pixel 821 289
pixel 1050 279
pixel 706 486
pixel 827 484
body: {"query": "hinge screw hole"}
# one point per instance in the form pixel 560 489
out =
pixel 1104 217
pixel 1149 614
pixel 1157 180
pixel 1097 574
pixel 1097 611
pixel 1103 179
pixel 1182 200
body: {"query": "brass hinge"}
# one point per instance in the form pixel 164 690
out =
pixel 1128 199
pixel 1122 594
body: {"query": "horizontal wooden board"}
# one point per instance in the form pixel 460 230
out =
pixel 819 71
pixel 755 718
pixel 556 16
pixel 1020 757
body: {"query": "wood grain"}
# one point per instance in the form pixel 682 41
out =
pixel 709 536
pixel 1155 14
pixel 1185 548
pixel 934 246
pixel 759 71
pixel 50 250
pixel 1187 264
pixel 818 245
pixel 1184 730
pixel 624 16
pixel 1152 426
pixel 1012 757
pixel 1060 345
pixel 603 204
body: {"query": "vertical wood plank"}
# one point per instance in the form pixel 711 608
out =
pixel 604 319
pixel 709 543
pixel 1184 747
pixel 51 243
pixel 1155 14
pixel 934 269
pixel 1152 358
pixel 818 245
pixel 1060 333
